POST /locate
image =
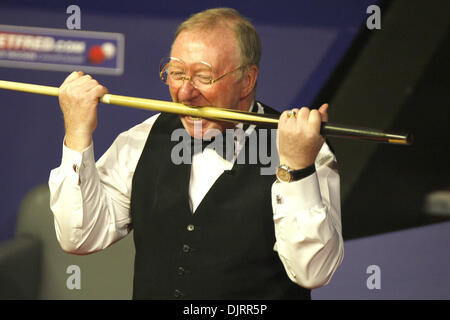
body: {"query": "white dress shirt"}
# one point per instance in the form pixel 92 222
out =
pixel 91 203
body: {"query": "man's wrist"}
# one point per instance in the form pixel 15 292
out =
pixel 287 174
pixel 77 142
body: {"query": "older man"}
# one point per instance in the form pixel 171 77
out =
pixel 213 228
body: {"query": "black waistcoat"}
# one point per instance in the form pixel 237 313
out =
pixel 222 251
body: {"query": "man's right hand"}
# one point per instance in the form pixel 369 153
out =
pixel 78 98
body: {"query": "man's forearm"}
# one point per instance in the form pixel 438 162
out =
pixel 85 219
pixel 308 227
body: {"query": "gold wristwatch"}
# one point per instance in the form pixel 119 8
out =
pixel 286 174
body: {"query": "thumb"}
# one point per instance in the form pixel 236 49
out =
pixel 323 110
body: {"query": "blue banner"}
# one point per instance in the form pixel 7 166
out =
pixel 61 50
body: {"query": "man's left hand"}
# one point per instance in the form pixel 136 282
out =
pixel 299 138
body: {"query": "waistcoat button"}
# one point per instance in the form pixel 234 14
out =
pixel 177 293
pixel 180 271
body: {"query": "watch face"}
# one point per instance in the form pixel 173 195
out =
pixel 283 174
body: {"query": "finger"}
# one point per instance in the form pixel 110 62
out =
pixel 85 83
pixel 293 113
pixel 303 114
pixel 315 120
pixel 302 118
pixel 83 79
pixel 284 115
pixel 90 84
pixel 288 114
pixel 73 76
pixel 324 112
pixel 99 91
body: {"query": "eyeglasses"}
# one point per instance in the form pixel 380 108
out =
pixel 173 71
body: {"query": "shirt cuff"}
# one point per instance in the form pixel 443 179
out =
pixel 73 160
pixel 301 194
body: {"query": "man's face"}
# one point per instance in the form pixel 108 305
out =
pixel 219 49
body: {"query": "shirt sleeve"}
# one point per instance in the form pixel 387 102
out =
pixel 307 217
pixel 91 201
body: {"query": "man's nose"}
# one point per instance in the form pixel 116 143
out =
pixel 187 91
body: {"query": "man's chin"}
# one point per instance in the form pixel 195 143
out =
pixel 200 128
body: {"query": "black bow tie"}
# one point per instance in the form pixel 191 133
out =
pixel 223 148
pixel 218 143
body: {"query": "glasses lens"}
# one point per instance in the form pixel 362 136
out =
pixel 201 74
pixel 171 69
pixel 163 67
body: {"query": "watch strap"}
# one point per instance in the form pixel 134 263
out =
pixel 302 173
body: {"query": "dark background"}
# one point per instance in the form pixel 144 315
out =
pixel 313 52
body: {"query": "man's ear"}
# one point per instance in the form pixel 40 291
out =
pixel 249 81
